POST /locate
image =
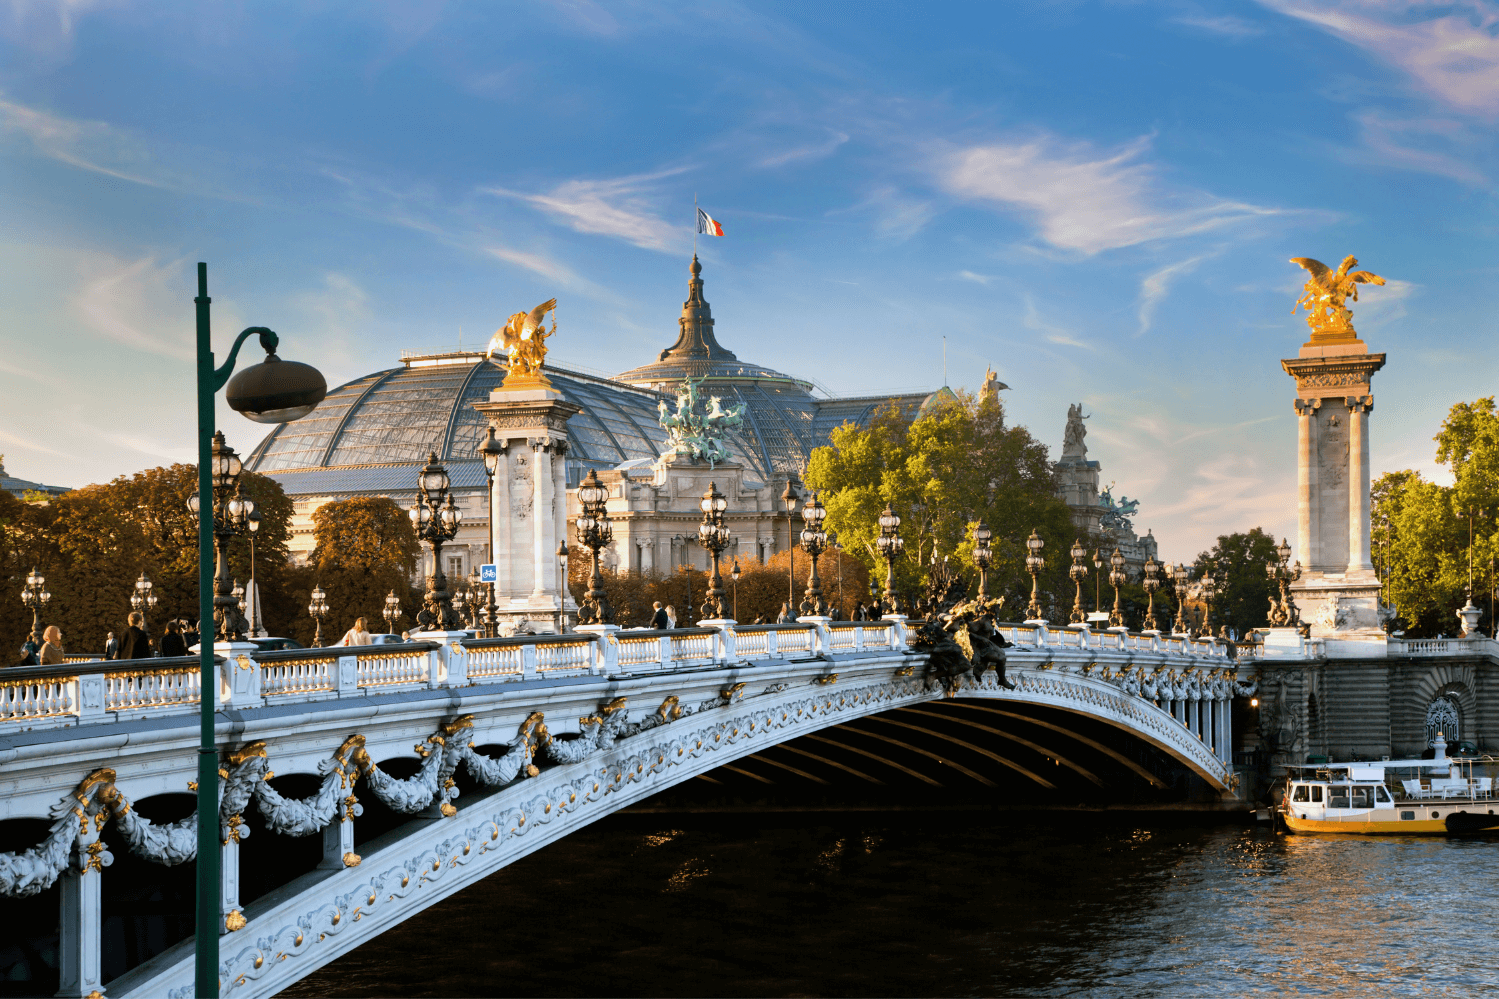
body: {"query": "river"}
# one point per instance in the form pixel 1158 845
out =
pixel 963 903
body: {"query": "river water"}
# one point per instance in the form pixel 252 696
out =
pixel 964 903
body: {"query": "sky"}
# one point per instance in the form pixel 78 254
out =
pixel 1097 199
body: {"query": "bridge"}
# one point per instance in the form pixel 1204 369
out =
pixel 475 753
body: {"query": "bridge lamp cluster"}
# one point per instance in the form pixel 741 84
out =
pixel 714 536
pixel 142 599
pixel 34 596
pixel 594 533
pixel 1078 572
pixel 814 543
pixel 983 556
pixel 1283 613
pixel 233 513
pixel 318 609
pixel 1034 563
pixel 1180 574
pixel 436 518
pixel 890 545
pixel 392 612
pixel 1117 578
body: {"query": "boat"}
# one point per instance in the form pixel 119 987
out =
pixel 1437 796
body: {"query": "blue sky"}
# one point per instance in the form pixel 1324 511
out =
pixel 1098 199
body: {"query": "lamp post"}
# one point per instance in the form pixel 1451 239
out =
pixel 1210 583
pixel 392 612
pixel 1117 578
pixel 273 391
pixel 983 556
pixel 460 601
pixel 1152 582
pixel 231 511
pixel 493 452
pixel 790 497
pixel 714 537
pixel 1469 614
pixel 1181 574
pixel 475 600
pixel 436 517
pixel 890 544
pixel 837 550
pixel 1079 572
pixel 1034 563
pixel 814 543
pixel 143 599
pixel 317 610
pixel 1097 580
pixel 594 533
pixel 238 593
pixel 1285 614
pixel 562 590
pixel 34 596
pixel 734 574
pixel 252 522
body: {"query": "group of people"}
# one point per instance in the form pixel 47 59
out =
pixel 666 617
pixel 136 643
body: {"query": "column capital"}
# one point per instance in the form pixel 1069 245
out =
pixel 1307 407
pixel 1360 403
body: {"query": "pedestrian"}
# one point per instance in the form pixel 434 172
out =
pixel 111 646
pixel 137 644
pixel 759 619
pixel 357 635
pixel 836 614
pixel 658 619
pixel 52 646
pixel 171 642
pixel 190 633
pixel 29 650
pixel 671 616
pixel 405 636
pixel 785 617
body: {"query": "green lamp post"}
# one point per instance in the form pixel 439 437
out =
pixel 273 391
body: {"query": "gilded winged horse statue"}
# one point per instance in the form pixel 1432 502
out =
pixel 522 339
pixel 1325 292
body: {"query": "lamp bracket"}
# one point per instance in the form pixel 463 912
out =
pixel 268 340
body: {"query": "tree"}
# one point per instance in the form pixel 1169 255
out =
pixel 942 473
pixel 365 548
pixel 1238 563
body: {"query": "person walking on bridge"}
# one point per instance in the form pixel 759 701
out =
pixel 171 642
pixel 357 635
pixel 111 645
pixel 52 646
pixel 658 619
pixel 137 644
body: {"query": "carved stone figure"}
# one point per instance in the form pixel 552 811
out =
pixel 1072 439
pixel 522 339
pixel 1325 292
pixel 991 388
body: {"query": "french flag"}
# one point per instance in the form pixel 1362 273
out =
pixel 708 224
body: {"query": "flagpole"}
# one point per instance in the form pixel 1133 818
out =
pixel 694 225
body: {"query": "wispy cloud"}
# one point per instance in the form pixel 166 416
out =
pixel 1051 333
pixel 1235 28
pixel 1452 52
pixel 620 208
pixel 122 301
pixel 1154 287
pixel 816 151
pixel 42 25
pixel 897 215
pixel 88 145
pixel 1382 140
pixel 983 279
pixel 1083 200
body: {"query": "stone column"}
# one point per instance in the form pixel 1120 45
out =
pixel 499 517
pixel 1358 482
pixel 80 968
pixel 1307 527
pixel 559 520
pixel 647 554
pixel 544 554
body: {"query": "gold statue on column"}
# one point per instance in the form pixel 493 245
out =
pixel 522 338
pixel 1325 292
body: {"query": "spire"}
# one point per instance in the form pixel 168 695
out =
pixel 696 340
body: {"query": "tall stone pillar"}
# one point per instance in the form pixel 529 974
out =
pixel 1338 593
pixel 530 419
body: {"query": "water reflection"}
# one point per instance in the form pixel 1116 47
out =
pixel 988 905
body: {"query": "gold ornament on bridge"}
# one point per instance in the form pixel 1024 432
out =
pixel 522 339
pixel 1324 294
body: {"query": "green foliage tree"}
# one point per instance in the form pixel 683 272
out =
pixel 942 473
pixel 1238 563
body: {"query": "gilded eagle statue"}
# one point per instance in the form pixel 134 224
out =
pixel 522 340
pixel 1325 292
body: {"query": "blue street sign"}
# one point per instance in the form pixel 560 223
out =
pixel 489 574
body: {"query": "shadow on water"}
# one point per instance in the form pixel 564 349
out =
pixel 1001 903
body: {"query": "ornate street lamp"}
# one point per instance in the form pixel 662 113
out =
pixel 814 543
pixel 232 511
pixel 252 522
pixel 143 599
pixel 1034 563
pixel 715 537
pixel 436 518
pixel 473 593
pixel 273 391
pixel 1285 613
pixel 983 556
pixel 317 610
pixel 1078 571
pixel 594 533
pixel 1117 578
pixel 34 596
pixel 1210 583
pixel 890 545
pixel 734 575
pixel 1181 574
pixel 1152 582
pixel 493 452
pixel 392 612
pixel 791 497
pixel 562 589
pixel 1097 580
pixel 238 593
pixel 460 602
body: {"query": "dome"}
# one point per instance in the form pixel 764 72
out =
pixel 369 433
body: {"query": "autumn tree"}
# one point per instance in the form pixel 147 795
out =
pixel 365 548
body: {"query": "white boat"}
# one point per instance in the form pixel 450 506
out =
pixel 1402 797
